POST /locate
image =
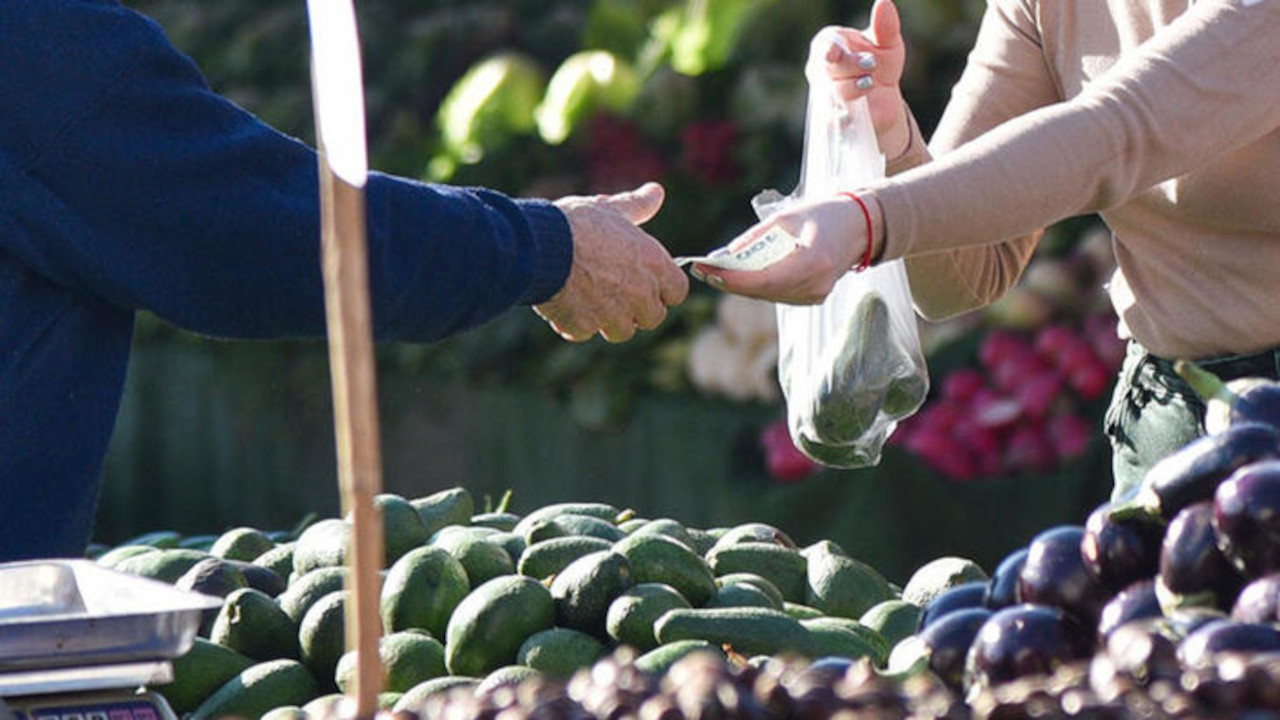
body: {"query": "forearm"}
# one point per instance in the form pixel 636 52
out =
pixel 230 247
pixel 948 283
pixel 140 186
pixel 444 259
pixel 1145 121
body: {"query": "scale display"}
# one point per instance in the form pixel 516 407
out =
pixel 90 707
pixel 133 710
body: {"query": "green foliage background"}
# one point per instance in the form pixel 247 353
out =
pixel 256 54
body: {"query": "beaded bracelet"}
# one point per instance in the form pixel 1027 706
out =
pixel 865 262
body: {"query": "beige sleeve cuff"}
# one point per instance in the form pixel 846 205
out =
pixel 915 155
pixel 917 152
pixel 897 220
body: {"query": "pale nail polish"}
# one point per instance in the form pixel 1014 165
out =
pixel 866 61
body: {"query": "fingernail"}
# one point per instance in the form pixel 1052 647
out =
pixel 834 53
pixel 867 61
pixel 865 82
pixel 716 280
pixel 697 273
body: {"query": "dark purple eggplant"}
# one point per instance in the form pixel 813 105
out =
pixel 1259 601
pixel 1002 589
pixel 1179 623
pixel 1193 571
pixel 1055 575
pixel 947 643
pixel 824 670
pixel 1135 602
pixel 1190 474
pixel 1246 518
pixel 1263 672
pixel 1226 404
pixel 1120 552
pixel 965 595
pixel 1143 651
pixel 1198 648
pixel 1025 640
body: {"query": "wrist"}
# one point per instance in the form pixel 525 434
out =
pixel 863 253
pixel 876 240
pixel 896 141
pixel 551 236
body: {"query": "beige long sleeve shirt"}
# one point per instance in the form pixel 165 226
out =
pixel 1163 116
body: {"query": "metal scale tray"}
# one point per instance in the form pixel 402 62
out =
pixel 74 613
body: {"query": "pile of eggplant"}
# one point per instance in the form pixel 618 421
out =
pixel 1164 586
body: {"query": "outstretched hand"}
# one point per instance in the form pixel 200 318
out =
pixel 622 279
pixel 832 238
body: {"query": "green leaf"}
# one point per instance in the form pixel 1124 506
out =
pixel 619 26
pixel 706 40
pixel 585 82
pixel 488 105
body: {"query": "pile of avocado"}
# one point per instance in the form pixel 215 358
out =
pixel 477 599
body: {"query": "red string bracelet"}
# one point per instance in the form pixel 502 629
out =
pixel 865 262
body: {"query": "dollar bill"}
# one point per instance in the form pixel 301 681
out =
pixel 765 251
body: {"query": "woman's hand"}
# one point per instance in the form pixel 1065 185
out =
pixel 874 70
pixel 833 233
pixel 832 237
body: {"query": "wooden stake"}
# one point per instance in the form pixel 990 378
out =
pixel 355 415
pixel 339 102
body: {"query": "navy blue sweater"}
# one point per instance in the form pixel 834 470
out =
pixel 126 185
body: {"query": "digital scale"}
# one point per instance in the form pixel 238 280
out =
pixel 82 642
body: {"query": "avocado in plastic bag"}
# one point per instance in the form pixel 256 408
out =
pixel 850 367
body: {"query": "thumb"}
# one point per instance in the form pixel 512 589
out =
pixel 886 26
pixel 639 205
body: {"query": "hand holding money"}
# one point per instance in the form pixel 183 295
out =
pixel 794 257
pixel 759 254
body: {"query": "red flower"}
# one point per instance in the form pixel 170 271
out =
pixel 783 460
pixel 707 150
pixel 619 157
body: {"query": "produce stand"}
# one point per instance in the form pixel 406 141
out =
pixel 77 640
pixel 807 626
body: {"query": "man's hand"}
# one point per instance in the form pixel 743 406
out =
pixel 622 278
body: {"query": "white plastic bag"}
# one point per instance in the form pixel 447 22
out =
pixel 851 367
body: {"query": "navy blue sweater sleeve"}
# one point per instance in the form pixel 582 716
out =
pixel 158 194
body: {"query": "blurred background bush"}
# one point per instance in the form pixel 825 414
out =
pixel 560 97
